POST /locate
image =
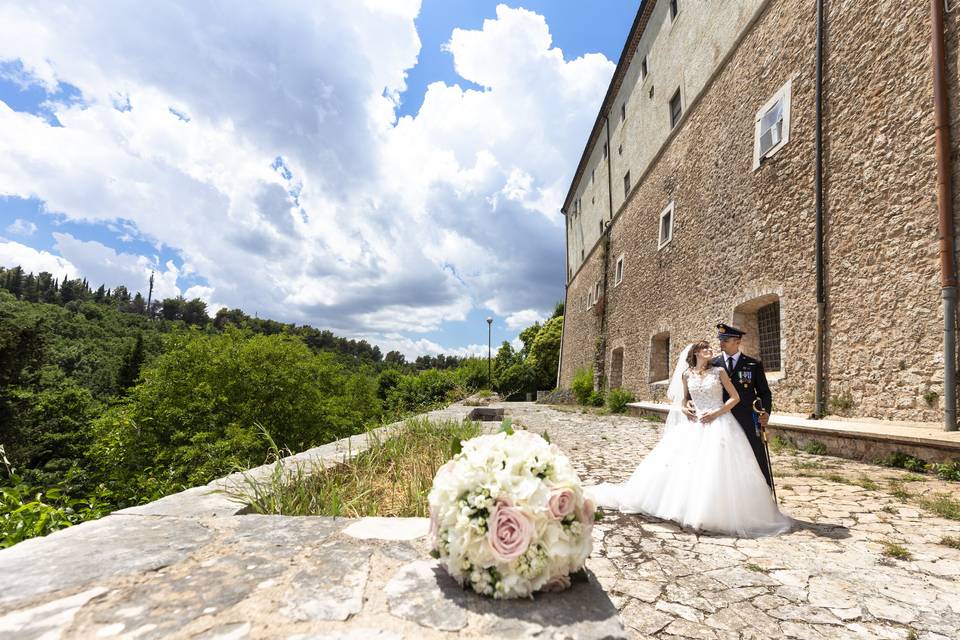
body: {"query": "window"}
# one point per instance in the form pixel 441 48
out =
pixel 626 184
pixel 660 357
pixel 768 328
pixel 676 109
pixel 651 92
pixel 644 69
pixel 601 227
pixel 760 318
pixel 674 9
pixel 616 368
pixel 596 292
pixel 620 150
pixel 604 150
pixel 772 126
pixel 666 226
pixel 618 272
pixel 623 111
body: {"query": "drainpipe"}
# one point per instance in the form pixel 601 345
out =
pixel 820 401
pixel 948 277
pixel 566 288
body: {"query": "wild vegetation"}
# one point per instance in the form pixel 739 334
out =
pixel 391 478
pixel 108 399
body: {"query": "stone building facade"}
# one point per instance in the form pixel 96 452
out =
pixel 688 228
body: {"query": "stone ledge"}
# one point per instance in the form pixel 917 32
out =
pixel 189 566
pixel 856 439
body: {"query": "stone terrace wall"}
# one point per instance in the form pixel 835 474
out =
pixel 739 234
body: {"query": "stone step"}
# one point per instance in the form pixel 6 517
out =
pixel 868 440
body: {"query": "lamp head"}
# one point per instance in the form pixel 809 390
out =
pixel 489 320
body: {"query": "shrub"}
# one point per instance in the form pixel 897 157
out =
pixel 472 374
pixel 815 447
pixel 949 470
pixel 582 385
pixel 516 379
pixel 617 400
pixel 903 460
pixel 595 399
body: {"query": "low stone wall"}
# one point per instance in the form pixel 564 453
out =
pixel 866 441
pixel 189 566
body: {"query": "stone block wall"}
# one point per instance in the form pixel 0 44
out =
pixel 741 236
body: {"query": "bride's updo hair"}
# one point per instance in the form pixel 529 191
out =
pixel 696 348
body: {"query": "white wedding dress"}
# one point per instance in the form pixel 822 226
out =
pixel 703 476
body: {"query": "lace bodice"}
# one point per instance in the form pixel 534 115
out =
pixel 706 390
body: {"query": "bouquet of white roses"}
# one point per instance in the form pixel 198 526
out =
pixel 508 516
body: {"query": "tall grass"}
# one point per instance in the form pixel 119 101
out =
pixel 391 478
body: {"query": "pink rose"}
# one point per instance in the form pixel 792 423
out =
pixel 562 503
pixel 509 532
pixel 557 583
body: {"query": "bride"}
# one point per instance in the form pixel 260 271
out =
pixel 703 473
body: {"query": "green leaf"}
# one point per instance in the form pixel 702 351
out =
pixel 507 426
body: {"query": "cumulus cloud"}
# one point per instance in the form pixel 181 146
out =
pixel 261 144
pixel 21 227
pixel 14 254
pixel 100 264
pixel 524 318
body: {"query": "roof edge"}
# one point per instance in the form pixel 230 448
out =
pixel 644 12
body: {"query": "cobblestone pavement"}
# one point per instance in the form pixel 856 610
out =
pixel 875 554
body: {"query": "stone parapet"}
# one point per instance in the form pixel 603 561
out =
pixel 191 566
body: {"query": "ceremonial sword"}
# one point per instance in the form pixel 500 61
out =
pixel 761 432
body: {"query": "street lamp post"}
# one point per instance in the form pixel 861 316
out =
pixel 489 369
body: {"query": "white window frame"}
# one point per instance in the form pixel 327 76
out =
pixel 618 271
pixel 670 5
pixel 596 297
pixel 784 95
pixel 668 210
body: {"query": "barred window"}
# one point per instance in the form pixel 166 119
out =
pixel 768 328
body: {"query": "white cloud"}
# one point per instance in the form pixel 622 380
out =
pixel 293 190
pixel 523 319
pixel 100 264
pixel 14 254
pixel 21 227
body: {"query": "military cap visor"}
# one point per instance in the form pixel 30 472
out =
pixel 726 331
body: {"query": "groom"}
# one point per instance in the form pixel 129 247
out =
pixel 751 383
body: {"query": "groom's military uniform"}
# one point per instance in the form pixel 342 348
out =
pixel 750 380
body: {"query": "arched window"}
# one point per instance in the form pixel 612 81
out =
pixel 616 368
pixel 660 357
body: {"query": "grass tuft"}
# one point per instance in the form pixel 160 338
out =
pixel 897 551
pixel 391 478
pixel 942 505
pixel 950 541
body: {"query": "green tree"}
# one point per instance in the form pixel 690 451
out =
pixel 194 415
pixel 545 353
pixel 130 368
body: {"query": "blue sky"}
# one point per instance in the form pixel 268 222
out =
pixel 152 139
